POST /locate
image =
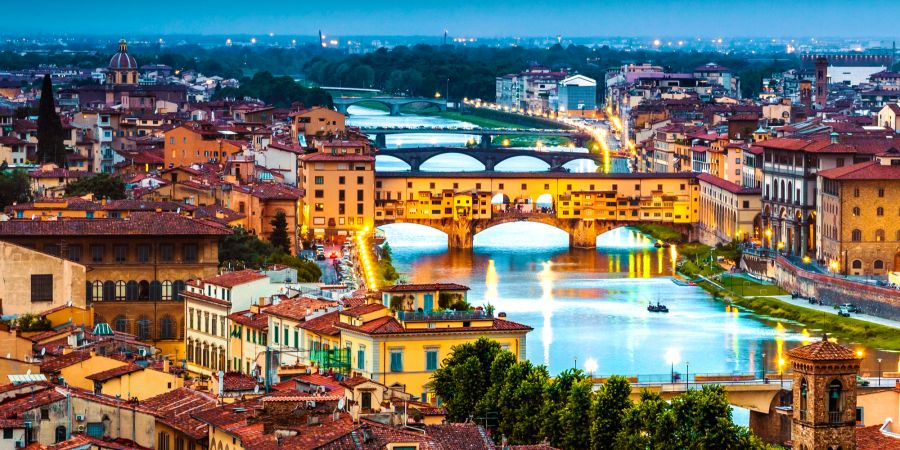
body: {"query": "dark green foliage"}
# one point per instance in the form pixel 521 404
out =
pixel 49 128
pixel 522 403
pixel 277 91
pixel 307 271
pixel 31 322
pixel 452 300
pixel 279 237
pixel 14 187
pixel 242 250
pixel 102 185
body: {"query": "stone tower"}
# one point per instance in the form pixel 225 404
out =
pixel 821 81
pixel 806 93
pixel 824 392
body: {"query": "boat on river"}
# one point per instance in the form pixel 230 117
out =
pixel 658 307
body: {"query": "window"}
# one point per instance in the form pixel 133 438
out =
pixel 879 235
pixel 320 180
pixel 878 264
pixel 319 193
pixel 835 401
pixel 341 180
pixel 120 324
pixel 361 357
pixel 396 360
pixel 120 253
pixel 856 236
pixel 97 253
pixel 804 389
pixel 856 264
pixel 341 195
pixel 189 252
pixel 166 290
pixel 881 192
pixel 431 359
pixel 276 334
pixel 856 192
pixel 166 252
pixel 143 253
pixel 42 288
pixel 879 211
pixel 75 253
pixel 360 195
pixel 143 328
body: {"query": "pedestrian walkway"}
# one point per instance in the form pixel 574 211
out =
pixel 830 310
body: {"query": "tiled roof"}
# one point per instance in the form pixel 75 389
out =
pixel 823 350
pixel 727 185
pixel 324 324
pixel 58 363
pixel 297 308
pixel 247 318
pixel 390 325
pixel 275 191
pixel 321 156
pixel 232 279
pixel 361 310
pixel 174 408
pixel 59 173
pixel 869 170
pixel 115 372
pixel 425 287
pixel 138 223
pixel 235 381
pixel 871 438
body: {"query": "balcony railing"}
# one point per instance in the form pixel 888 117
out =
pixel 442 315
pixel 835 416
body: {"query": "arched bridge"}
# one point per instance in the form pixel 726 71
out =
pixel 393 103
pixel 486 134
pixel 585 205
pixel 415 157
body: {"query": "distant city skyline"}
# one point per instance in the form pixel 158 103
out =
pixel 501 18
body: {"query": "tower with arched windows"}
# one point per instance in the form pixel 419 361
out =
pixel 824 391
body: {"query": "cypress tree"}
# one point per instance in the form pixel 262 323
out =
pixel 279 237
pixel 49 129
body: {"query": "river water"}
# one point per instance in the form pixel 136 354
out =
pixel 588 308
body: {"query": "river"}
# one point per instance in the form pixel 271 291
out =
pixel 588 308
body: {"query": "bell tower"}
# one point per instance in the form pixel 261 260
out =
pixel 824 392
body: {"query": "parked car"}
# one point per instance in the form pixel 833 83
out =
pixel 843 312
pixel 851 307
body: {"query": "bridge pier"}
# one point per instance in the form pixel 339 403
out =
pixel 485 141
pixel 460 235
pixel 381 140
pixel 583 234
pixel 341 108
pixel 395 109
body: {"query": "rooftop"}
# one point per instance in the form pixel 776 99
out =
pixel 232 279
pixel 823 350
pixel 139 223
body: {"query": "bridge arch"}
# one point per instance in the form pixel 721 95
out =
pixel 515 163
pixel 391 163
pixel 443 162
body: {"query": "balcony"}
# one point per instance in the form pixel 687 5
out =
pixel 442 315
pixel 835 417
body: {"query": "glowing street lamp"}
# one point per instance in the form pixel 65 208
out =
pixel 672 357
pixel 591 366
pixel 781 370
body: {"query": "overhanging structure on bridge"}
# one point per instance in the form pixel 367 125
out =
pixel 486 135
pixel 415 157
pixel 393 103
pixel 584 205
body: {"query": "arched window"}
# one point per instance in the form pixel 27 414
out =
pixel 804 390
pixel 167 290
pixel 155 290
pixel 109 291
pixel 790 192
pixel 143 327
pixel 879 235
pixel 120 290
pixel 143 292
pixel 835 401
pixel 177 288
pixel 856 211
pixel 166 327
pixel 856 236
pixel 879 211
pixel 856 264
pixel 878 264
pixel 131 290
pixel 60 434
pixel 120 324
pixel 97 291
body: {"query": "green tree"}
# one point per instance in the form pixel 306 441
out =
pixel 647 425
pixel 576 416
pixel 32 322
pixel 14 187
pixel 529 394
pixel 464 377
pixel 102 185
pixel 608 409
pixel 555 397
pixel 279 237
pixel 243 250
pixel 307 271
pixel 49 128
pixel 702 419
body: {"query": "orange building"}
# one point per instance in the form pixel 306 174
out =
pixel 196 143
pixel 318 121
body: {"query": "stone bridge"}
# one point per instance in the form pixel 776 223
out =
pixel 393 103
pixel 486 135
pixel 461 231
pixel 415 157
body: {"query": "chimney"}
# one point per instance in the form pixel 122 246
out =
pixel 834 137
pixel 165 365
pixel 501 316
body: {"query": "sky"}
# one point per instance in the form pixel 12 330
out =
pixel 478 18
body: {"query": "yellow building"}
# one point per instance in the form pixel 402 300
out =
pixel 132 380
pixel 248 340
pixel 316 121
pixel 339 189
pixel 32 282
pixel 50 180
pixel 728 211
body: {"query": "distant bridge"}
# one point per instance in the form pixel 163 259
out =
pixel 486 134
pixel 393 103
pixel 415 157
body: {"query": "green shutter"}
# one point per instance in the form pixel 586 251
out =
pixel 276 334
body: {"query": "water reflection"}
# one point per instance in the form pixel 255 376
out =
pixel 592 303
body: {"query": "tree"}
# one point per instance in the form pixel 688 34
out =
pixel 49 128
pixel 307 271
pixel 243 250
pixel 555 398
pixel 32 322
pixel 608 412
pixel 102 185
pixel 279 236
pixel 464 377
pixel 14 187
pixel 576 417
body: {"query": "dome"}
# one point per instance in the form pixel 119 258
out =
pixel 122 60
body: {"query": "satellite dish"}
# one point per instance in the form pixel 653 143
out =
pixel 69 303
pixel 341 403
pixel 43 351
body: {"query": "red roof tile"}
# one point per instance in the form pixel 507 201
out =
pixel 869 170
pixel 232 279
pixel 115 372
pixel 823 350
pixel 297 308
pixel 138 223
pixel 174 408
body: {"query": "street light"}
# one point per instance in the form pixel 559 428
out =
pixel 591 366
pixel 879 371
pixel 781 370
pixel 765 380
pixel 672 358
pixel 687 375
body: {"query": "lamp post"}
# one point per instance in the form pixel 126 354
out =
pixel 687 375
pixel 672 359
pixel 879 371
pixel 764 368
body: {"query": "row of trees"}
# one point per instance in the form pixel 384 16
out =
pixel 482 382
pixel 280 91
pixel 101 185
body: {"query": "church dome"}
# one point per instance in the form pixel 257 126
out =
pixel 122 60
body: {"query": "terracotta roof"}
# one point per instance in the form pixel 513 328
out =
pixel 115 372
pixel 320 156
pixel 361 310
pixel 869 170
pixel 60 362
pixel 174 408
pixel 324 324
pixel 275 191
pixel 60 173
pixel 232 279
pixel 390 325
pixel 138 223
pixel 823 350
pixel 297 308
pixel 235 381
pixel 871 438
pixel 247 318
pixel 425 287
pixel 727 185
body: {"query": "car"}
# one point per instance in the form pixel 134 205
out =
pixel 843 312
pixel 851 307
pixel 320 256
